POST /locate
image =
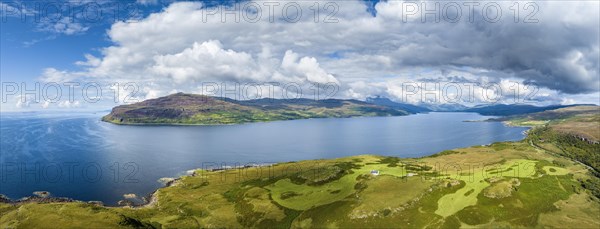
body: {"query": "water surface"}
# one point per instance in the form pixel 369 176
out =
pixel 80 157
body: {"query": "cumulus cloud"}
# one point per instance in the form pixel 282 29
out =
pixel 306 67
pixel 210 61
pixel 207 60
pixel 53 75
pixel 368 54
pixel 65 26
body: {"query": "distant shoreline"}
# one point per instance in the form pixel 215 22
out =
pixel 148 199
pixel 242 123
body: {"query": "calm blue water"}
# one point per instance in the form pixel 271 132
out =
pixel 80 157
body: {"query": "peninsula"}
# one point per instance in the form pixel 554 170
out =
pixel 190 109
pixel 549 179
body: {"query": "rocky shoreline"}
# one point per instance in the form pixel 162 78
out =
pixel 150 199
pixel 146 201
pixel 36 199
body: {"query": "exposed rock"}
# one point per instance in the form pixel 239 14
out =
pixel 450 183
pixel 130 196
pixel 97 203
pixel 42 194
pixel 4 199
pixel 125 203
pixel 166 180
pixel 502 189
pixel 37 199
pixel 494 179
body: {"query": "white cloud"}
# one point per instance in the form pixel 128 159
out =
pixel 23 103
pixel 147 2
pixel 209 61
pixel 52 75
pixel 206 61
pixel 69 104
pixel 368 55
pixel 65 25
pixel 306 67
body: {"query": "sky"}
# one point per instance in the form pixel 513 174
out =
pixel 93 55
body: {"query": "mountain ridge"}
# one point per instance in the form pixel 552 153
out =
pixel 411 108
pixel 192 109
pixel 514 109
pixel 181 108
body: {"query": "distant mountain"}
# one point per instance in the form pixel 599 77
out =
pixel 512 109
pixel 419 108
pixel 183 108
pixel 447 107
pixel 381 101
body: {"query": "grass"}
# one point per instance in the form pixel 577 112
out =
pixel 578 211
pixel 71 215
pixel 529 183
pixel 502 188
pixel 524 207
pixel 526 122
pixel 374 201
pixel 306 196
pixel 310 196
pixel 189 109
pixel 555 171
pixel 476 182
pixel 512 184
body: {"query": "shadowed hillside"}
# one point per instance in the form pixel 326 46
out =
pixel 512 109
pixel 183 108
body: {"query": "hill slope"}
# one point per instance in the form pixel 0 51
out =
pixel 508 184
pixel 413 109
pixel 441 107
pixel 573 132
pixel 581 121
pixel 512 109
pixel 183 108
pixel 525 184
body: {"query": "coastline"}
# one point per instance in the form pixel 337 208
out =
pixel 307 118
pixel 243 123
pixel 150 199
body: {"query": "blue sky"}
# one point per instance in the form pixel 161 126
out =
pixel 28 48
pixel 367 48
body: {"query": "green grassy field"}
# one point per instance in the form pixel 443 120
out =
pixel 504 184
pixel 533 183
pixel 190 109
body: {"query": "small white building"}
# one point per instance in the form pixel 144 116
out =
pixel 374 172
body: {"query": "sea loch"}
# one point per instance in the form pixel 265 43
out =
pixel 80 157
